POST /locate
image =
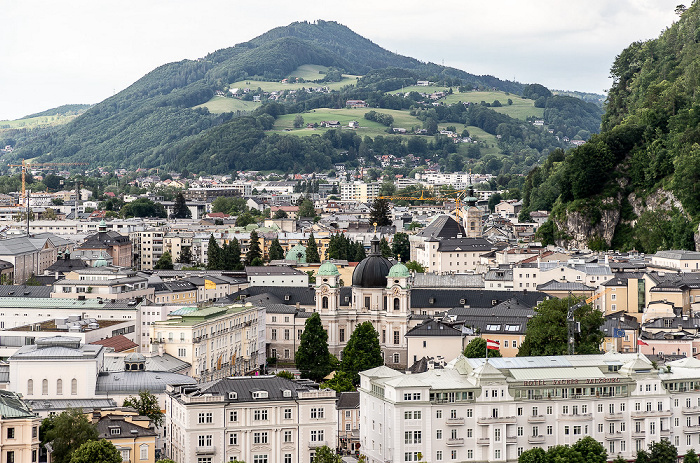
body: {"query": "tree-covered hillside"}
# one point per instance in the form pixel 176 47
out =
pixel 636 184
pixel 158 120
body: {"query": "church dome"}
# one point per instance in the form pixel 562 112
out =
pixel 372 271
pixel 399 271
pixel 328 269
pixel 297 253
pixel 101 262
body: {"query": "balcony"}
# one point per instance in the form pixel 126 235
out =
pixel 496 419
pixel 536 419
pixel 691 429
pixel 205 450
pixel 483 441
pixel 575 417
pixel 511 440
pixel 454 421
pixel 650 413
pixel 613 416
pixel 457 441
pixel 638 434
pixel 690 410
pixel 613 435
pixel 535 439
pixel 317 444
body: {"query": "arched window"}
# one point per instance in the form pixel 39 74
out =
pixel 44 387
pixel 396 304
pixel 74 386
pixel 30 387
pixel 59 386
pixel 324 302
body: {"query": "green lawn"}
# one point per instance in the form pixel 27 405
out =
pixel 220 104
pixel 309 72
pixel 401 119
pixel 36 121
pixel 520 109
pixel 279 86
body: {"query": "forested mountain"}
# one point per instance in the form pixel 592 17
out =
pixel 635 185
pixel 155 122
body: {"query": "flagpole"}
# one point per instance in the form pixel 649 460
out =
pixel 486 354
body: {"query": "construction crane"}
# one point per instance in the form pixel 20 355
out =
pixel 25 165
pixel 574 326
pixel 454 195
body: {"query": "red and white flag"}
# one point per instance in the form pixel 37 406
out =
pixel 490 344
pixel 641 343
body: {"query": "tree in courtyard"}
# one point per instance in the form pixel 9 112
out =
pixel 400 247
pixel 362 351
pixel 536 455
pixel 340 382
pixel 591 450
pixel 185 255
pixel 180 209
pixel 313 359
pixel 477 349
pixel 276 252
pixel 306 209
pixel 312 256
pixel 214 255
pixel 254 251
pixel 379 212
pixel 326 455
pixel 280 214
pixel 66 433
pixel 147 405
pixel 415 267
pixel 662 452
pixel 547 333
pixel 97 451
pixel 690 457
pixel 165 262
pixel 385 249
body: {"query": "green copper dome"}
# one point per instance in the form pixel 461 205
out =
pixel 399 271
pixel 327 269
pixel 297 253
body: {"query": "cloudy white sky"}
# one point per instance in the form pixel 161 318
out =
pixel 81 51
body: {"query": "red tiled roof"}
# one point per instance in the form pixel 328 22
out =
pixel 120 343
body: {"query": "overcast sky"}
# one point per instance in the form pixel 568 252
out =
pixel 82 51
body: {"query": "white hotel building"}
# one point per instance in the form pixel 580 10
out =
pixel 472 411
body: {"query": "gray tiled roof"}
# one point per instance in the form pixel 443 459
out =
pixel 680 254
pixel 464 245
pixel 443 226
pixel 245 386
pixel 57 348
pixel 127 429
pixel 554 285
pixel 43 405
pixel 25 291
pixel 12 406
pixel 433 328
pixel 287 294
pixel 348 400
pixel 157 363
pixel 434 280
pixel 135 381
pixel 449 298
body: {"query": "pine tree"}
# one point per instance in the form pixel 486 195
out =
pixel 233 255
pixel 385 248
pixel 379 213
pixel 313 359
pixel 214 260
pixel 276 251
pixel 358 252
pixel 185 255
pixel 362 351
pixel 180 209
pixel 401 247
pixel 312 256
pixel 253 249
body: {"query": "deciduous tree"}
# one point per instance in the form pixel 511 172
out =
pixel 67 432
pixel 96 451
pixel 147 405
pixel 326 455
pixel 477 349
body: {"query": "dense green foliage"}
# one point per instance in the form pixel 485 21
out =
pixel 96 451
pixel 477 349
pixel 165 262
pixel 254 252
pixel 379 213
pixel 547 333
pixel 63 110
pixel 312 256
pixel 584 450
pixel 340 247
pixel 66 432
pixel 362 351
pixel 147 405
pixel 400 247
pixel 180 209
pixel 313 359
pixel 143 207
pixel 650 141
pixel 276 252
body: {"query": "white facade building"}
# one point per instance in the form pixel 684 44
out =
pixel 476 411
pixel 264 419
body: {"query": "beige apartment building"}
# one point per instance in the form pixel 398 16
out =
pixel 359 191
pixel 19 427
pixel 148 247
pixel 217 341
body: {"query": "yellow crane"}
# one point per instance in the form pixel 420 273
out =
pixel 454 195
pixel 26 165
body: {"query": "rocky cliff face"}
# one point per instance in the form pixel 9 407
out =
pixel 579 229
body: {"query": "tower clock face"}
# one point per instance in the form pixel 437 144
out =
pixel 324 290
pixel 397 291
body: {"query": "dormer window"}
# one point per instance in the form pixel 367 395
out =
pixel 260 395
pixel 233 395
pixel 115 431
